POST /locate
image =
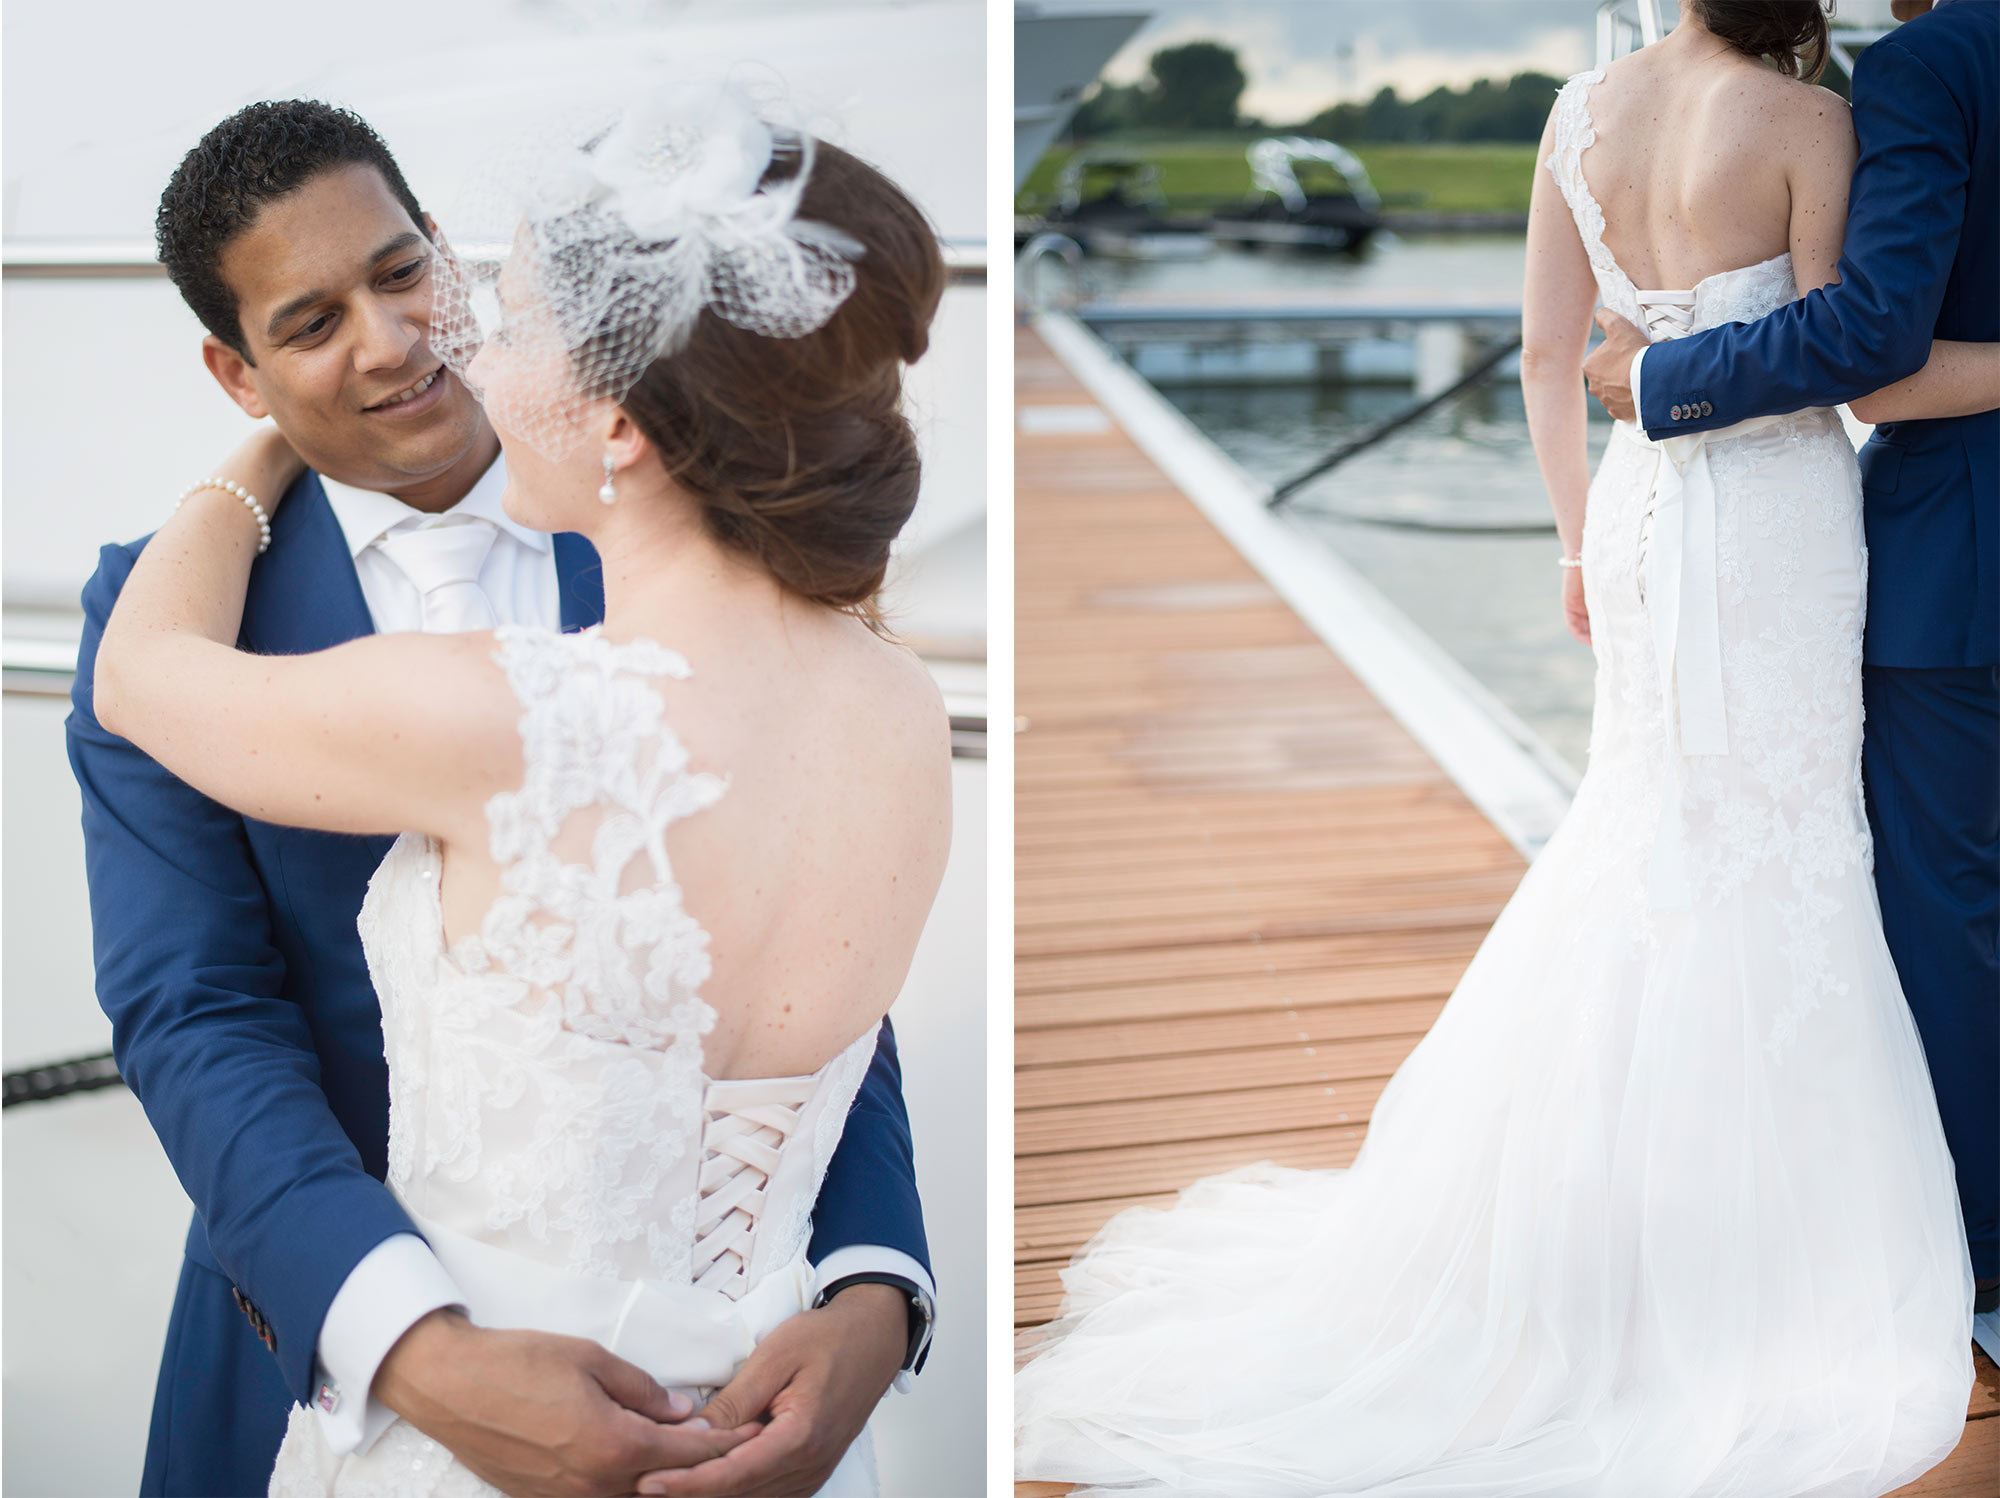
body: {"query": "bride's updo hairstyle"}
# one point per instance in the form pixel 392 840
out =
pixel 1793 34
pixel 797 448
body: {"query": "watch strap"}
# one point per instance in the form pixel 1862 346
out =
pixel 921 1313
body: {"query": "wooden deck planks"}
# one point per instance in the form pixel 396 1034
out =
pixel 1242 890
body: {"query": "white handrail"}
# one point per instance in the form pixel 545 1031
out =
pixel 92 259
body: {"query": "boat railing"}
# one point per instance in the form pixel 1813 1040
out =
pixel 133 259
pixel 1046 246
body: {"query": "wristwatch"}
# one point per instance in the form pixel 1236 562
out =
pixel 923 1314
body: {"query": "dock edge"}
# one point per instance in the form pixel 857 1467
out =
pixel 1521 785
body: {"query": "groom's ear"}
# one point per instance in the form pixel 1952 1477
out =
pixel 232 373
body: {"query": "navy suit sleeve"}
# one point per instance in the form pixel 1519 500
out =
pixel 870 1192
pixel 222 1060
pixel 1874 326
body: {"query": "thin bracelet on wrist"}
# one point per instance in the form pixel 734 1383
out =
pixel 1569 561
pixel 249 500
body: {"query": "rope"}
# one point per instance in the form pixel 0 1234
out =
pixel 39 1084
pixel 1394 424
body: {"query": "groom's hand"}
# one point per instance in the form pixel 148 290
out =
pixel 813 1382
pixel 1607 370
pixel 538 1415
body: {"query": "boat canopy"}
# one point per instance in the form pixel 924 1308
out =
pixel 1128 173
pixel 1271 168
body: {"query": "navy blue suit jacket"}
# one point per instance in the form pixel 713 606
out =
pixel 242 1015
pixel 1921 261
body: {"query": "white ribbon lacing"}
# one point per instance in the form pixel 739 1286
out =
pixel 744 1128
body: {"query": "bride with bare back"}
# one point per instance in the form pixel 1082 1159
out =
pixel 659 881
pixel 1662 1205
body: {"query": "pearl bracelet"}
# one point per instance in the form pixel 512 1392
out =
pixel 249 499
pixel 1569 561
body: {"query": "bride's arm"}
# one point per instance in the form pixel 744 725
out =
pixel 1959 379
pixel 1556 301
pixel 1818 172
pixel 387 734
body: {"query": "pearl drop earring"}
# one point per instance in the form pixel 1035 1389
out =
pixel 609 492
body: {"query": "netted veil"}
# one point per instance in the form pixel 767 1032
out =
pixel 589 252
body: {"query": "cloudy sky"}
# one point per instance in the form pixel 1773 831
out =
pixel 1293 49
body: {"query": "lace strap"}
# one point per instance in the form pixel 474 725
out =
pixel 588 714
pixel 1575 134
pixel 625 961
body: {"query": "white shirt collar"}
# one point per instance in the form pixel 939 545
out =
pixel 366 516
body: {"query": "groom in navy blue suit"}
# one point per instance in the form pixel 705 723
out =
pixel 1921 261
pixel 230 966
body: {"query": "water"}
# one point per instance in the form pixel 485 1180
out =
pixel 1425 267
pixel 1447 517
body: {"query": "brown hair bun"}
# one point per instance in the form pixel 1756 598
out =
pixel 798 448
pixel 1793 34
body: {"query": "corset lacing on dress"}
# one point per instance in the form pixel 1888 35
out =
pixel 744 1128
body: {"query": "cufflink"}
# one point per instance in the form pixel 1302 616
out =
pixel 328 1397
pixel 1707 409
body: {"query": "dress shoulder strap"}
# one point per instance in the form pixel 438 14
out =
pixel 621 951
pixel 593 733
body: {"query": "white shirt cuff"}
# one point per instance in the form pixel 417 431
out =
pixel 1638 411
pixel 873 1258
pixel 397 1284
pixel 870 1258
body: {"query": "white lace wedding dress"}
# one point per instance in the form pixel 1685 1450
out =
pixel 551 1128
pixel 1661 1206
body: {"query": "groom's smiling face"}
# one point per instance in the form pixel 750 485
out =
pixel 333 286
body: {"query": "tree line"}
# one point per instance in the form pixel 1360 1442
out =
pixel 1199 86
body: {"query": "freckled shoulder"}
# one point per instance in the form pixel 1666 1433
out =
pixel 904 690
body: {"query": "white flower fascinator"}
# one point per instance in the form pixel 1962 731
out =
pixel 688 202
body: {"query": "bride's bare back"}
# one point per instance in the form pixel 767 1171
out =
pixel 1706 161
pixel 813 870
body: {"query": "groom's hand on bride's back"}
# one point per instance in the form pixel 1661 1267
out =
pixel 539 1415
pixel 1607 369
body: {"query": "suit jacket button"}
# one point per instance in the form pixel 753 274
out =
pixel 1707 409
pixel 1675 412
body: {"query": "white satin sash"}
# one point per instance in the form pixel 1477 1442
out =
pixel 1685 610
pixel 687 1338
pixel 1682 604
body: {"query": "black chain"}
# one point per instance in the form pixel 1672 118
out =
pixel 38 1084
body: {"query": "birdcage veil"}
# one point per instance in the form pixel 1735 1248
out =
pixel 619 228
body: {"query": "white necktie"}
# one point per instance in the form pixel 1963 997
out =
pixel 443 562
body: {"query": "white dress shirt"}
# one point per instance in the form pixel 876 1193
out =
pixel 1638 411
pixel 400 1280
pixel 518 575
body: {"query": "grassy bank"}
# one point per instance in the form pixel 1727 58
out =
pixel 1200 172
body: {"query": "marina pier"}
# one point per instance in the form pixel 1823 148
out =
pixel 1259 832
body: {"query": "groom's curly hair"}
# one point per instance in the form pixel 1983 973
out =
pixel 260 153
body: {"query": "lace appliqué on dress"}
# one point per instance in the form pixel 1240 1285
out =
pixel 1574 134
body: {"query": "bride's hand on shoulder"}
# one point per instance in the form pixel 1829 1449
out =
pixel 266 464
pixel 1576 613
pixel 262 468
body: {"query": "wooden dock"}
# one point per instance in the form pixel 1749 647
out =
pixel 1242 890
